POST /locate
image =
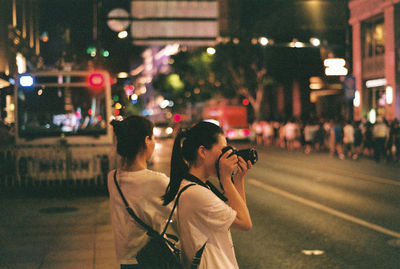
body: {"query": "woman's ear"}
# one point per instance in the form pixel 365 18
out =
pixel 147 140
pixel 201 152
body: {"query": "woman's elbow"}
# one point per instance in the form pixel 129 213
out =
pixel 243 225
pixel 248 226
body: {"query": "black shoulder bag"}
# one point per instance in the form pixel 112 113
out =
pixel 159 252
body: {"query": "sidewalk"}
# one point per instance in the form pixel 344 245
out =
pixel 56 233
pixel 42 230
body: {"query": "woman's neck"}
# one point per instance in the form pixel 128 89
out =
pixel 138 164
pixel 199 173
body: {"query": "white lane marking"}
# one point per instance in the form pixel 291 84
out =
pixel 324 208
pixel 351 174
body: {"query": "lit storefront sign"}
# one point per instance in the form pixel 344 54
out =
pixel 335 67
pixel 21 63
pixel 389 95
pixel 373 83
pixel 372 116
pixel 356 100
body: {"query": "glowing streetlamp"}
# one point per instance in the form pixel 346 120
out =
pixel 211 51
pixel 123 34
pixel 263 41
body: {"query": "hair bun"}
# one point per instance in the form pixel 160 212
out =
pixel 117 125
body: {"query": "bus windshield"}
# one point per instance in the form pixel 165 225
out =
pixel 52 111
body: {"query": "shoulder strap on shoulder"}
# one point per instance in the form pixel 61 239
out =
pixel 175 204
pixel 149 230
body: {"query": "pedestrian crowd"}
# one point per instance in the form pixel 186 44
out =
pixel 343 139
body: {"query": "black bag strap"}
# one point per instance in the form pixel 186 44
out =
pixel 151 232
pixel 149 229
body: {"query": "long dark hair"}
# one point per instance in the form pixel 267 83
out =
pixel 184 153
pixel 131 134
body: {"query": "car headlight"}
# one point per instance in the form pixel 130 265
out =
pixel 169 131
pixel 157 132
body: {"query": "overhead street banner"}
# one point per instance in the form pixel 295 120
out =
pixel 166 22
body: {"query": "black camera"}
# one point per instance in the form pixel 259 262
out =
pixel 247 154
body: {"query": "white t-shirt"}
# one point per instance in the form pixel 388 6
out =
pixel 203 217
pixel 143 190
pixel 348 134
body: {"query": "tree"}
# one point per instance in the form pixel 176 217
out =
pixel 243 71
pixel 235 70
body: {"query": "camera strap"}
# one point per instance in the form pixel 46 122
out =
pixel 207 185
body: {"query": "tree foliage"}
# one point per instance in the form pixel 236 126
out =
pixel 234 70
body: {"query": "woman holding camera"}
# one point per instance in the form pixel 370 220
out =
pixel 141 187
pixel 204 220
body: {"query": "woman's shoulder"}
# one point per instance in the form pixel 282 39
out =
pixel 156 174
pixel 198 194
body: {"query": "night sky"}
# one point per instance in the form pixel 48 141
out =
pixel 276 19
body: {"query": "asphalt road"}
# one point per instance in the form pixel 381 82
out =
pixel 313 211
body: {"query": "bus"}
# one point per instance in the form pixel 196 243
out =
pixel 62 135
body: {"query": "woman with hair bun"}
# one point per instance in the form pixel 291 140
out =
pixel 141 187
pixel 204 219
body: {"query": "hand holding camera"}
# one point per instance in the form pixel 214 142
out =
pixel 244 160
pixel 227 164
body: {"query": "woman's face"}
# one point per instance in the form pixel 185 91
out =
pixel 213 154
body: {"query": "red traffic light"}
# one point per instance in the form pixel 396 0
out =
pixel 177 118
pixel 245 102
pixel 96 80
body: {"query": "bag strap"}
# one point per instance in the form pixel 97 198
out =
pixel 197 258
pixel 149 229
pixel 175 204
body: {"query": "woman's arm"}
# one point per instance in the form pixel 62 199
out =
pixel 235 192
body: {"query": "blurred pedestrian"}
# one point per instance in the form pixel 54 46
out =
pixel 337 134
pixel 310 131
pixel 259 132
pixel 395 140
pixel 141 187
pixel 358 140
pixel 320 138
pixel 268 132
pixel 368 144
pixel 204 219
pixel 290 134
pixel 6 136
pixel 348 139
pixel 380 135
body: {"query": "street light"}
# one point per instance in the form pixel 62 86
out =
pixel 123 34
pixel 263 41
pixel 211 51
pixel 315 41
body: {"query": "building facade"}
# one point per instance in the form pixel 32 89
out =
pixel 376 51
pixel 19 44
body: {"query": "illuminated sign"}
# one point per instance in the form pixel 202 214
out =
pixel 26 81
pixel 357 99
pixel 184 22
pixel 375 83
pixel 389 95
pixel 335 67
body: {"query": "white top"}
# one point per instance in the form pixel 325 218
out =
pixel 143 190
pixel 203 217
pixel 348 134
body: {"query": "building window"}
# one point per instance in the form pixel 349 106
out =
pixel 374 38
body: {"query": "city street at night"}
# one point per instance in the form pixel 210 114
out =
pixel 308 211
